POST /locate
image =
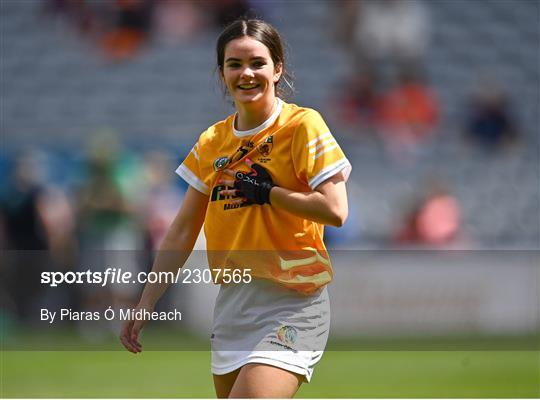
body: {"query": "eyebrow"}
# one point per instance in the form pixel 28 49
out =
pixel 251 59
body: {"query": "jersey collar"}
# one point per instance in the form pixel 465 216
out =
pixel 262 126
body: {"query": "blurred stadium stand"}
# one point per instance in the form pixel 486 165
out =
pixel 57 91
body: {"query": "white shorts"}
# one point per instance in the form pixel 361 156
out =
pixel 263 322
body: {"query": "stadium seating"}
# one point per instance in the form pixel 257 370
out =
pixel 57 90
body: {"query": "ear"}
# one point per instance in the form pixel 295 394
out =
pixel 278 69
pixel 221 76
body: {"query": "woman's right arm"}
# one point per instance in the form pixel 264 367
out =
pixel 173 253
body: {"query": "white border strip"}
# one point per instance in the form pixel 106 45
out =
pixel 262 126
pixel 341 165
pixel 186 174
pixel 258 357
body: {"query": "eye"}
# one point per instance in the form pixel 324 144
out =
pixel 259 64
pixel 234 65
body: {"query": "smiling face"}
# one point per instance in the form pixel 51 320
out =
pixel 249 72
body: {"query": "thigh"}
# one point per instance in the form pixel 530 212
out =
pixel 224 383
pixel 265 381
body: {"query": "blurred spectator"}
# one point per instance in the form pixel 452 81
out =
pixel 130 30
pixel 110 196
pixel 177 21
pixel 110 234
pixel 434 220
pixel 345 17
pixel 22 212
pixel 407 115
pixel 22 205
pixel 489 122
pixel 87 17
pixel 355 104
pixel 60 224
pixel 391 31
pixel 384 37
pixel 102 206
pixel 163 199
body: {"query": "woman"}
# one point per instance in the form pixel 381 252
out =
pixel 264 182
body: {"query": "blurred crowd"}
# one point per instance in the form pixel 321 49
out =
pixel 112 210
pixel 387 97
pixel 387 92
pixel 115 199
pixel 122 28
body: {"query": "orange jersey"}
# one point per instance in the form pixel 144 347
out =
pixel 297 149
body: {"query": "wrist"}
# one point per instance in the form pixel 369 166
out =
pixel 146 304
pixel 271 188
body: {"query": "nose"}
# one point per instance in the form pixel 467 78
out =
pixel 247 72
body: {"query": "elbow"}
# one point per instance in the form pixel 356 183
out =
pixel 340 220
pixel 177 239
pixel 339 217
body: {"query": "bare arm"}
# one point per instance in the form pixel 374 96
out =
pixel 173 253
pixel 178 243
pixel 327 204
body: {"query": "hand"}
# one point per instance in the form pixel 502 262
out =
pixel 129 336
pixel 254 186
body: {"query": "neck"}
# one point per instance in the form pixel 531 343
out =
pixel 250 116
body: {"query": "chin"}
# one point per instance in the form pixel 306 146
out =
pixel 252 98
pixel 249 99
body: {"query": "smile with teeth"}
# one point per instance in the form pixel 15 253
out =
pixel 248 86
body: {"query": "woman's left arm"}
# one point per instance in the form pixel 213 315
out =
pixel 327 204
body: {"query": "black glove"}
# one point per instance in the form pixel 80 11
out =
pixel 255 186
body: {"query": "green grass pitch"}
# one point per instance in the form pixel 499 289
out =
pixel 340 374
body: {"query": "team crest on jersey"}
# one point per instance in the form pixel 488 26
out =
pixel 266 147
pixel 220 163
pixel 287 334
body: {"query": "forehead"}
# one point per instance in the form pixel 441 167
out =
pixel 246 47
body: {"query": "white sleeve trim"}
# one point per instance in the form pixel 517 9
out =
pixel 195 153
pixel 192 179
pixel 327 149
pixel 322 144
pixel 317 139
pixel 341 165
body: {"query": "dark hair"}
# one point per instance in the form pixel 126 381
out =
pixel 267 35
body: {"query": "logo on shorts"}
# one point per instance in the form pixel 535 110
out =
pixel 220 163
pixel 287 334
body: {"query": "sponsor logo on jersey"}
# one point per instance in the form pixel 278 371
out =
pixel 215 196
pixel 220 163
pixel 232 206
